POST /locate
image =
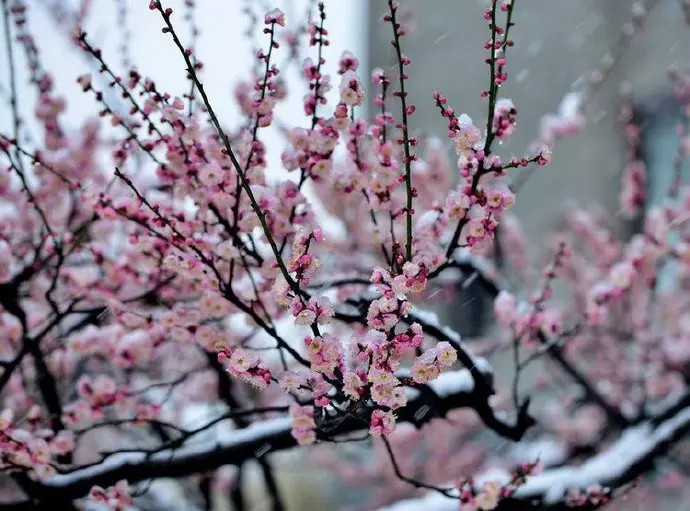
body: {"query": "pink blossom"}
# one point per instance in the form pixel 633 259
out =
pixel 351 91
pixel 211 174
pixel 303 424
pixel 6 262
pixel 382 423
pixel 504 118
pixel 488 497
pixel 505 308
pixel 446 354
pixel 423 371
pixel 467 136
pixel 275 16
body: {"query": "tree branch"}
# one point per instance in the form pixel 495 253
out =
pixel 632 455
pixel 453 390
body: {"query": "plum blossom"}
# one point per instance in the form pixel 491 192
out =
pixel 382 423
pixel 488 497
pixel 303 425
pixel 275 16
pixel 351 90
pixel 504 118
pixel 117 497
pixel 211 174
pixel 6 262
pixel 467 136
pixel 505 306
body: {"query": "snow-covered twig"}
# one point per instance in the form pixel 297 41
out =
pixel 452 390
pixel 627 458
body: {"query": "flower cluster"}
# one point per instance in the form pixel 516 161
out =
pixel 117 497
pixel 428 366
pixel 382 423
pixel 530 320
pixel 325 354
pixel 504 118
pixel 351 91
pixel 302 263
pixel 481 197
pixel 318 309
pixel 319 84
pixel 303 425
pixel 243 364
pixel 490 493
pixel 31 448
pixel 486 499
pixel 592 495
pixel 95 395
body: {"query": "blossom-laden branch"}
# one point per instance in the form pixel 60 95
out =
pixel 237 446
pixel 190 279
pixel 593 483
pixel 407 110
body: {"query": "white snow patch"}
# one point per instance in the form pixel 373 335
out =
pixel 633 445
pixel 429 502
pixel 571 106
pixel 226 439
pixel 453 382
pixel 548 451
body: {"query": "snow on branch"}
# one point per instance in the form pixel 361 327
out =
pixel 615 466
pixel 428 502
pixel 453 389
pixel 624 460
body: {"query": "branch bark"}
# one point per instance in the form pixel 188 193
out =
pixel 256 441
pixel 632 455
